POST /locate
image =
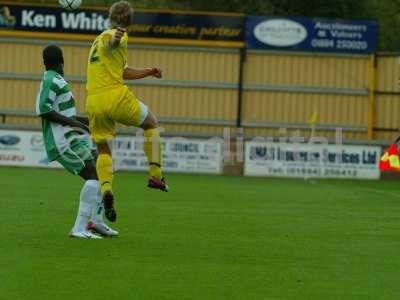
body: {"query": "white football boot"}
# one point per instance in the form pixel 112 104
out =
pixel 84 234
pixel 102 228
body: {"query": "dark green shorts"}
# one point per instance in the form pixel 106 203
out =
pixel 75 158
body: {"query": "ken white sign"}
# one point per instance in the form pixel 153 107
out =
pixel 312 160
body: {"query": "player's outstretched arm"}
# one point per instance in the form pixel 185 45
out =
pixel 55 117
pixel 139 73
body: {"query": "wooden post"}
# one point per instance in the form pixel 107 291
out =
pixel 371 94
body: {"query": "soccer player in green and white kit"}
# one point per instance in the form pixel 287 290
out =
pixel 66 140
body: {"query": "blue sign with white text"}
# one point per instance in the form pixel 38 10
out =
pixel 312 35
pixel 161 25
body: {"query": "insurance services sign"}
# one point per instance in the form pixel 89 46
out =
pixel 312 160
pixel 304 34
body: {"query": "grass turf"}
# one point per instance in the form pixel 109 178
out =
pixel 210 238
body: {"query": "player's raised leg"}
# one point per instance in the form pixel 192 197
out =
pixel 153 150
pixel 128 110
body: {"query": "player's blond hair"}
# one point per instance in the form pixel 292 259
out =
pixel 121 14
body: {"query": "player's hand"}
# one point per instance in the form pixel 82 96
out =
pixel 156 72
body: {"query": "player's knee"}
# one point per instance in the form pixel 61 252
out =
pixel 89 172
pixel 103 148
pixel 150 122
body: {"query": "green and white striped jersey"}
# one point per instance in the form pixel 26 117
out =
pixel 55 95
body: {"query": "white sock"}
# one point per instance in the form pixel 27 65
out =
pixel 88 197
pixel 97 207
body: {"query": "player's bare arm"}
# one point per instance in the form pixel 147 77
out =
pixel 139 73
pixel 55 117
pixel 84 120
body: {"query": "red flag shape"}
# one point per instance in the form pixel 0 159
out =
pixel 390 161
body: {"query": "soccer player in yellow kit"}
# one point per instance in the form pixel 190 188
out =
pixel 110 101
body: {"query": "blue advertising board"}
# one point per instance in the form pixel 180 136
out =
pixel 147 24
pixel 311 35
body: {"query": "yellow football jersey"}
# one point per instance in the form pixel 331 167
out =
pixel 106 64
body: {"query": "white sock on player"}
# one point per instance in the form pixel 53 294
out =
pixel 97 209
pixel 96 223
pixel 87 198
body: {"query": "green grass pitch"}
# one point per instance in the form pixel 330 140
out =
pixel 210 238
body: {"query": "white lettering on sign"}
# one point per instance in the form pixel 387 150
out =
pixel 84 21
pixel 280 32
pixel 30 19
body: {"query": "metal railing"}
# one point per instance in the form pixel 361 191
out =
pixel 4 113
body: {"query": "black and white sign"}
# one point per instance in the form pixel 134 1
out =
pixel 312 160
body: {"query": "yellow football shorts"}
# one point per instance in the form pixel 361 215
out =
pixel 115 105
